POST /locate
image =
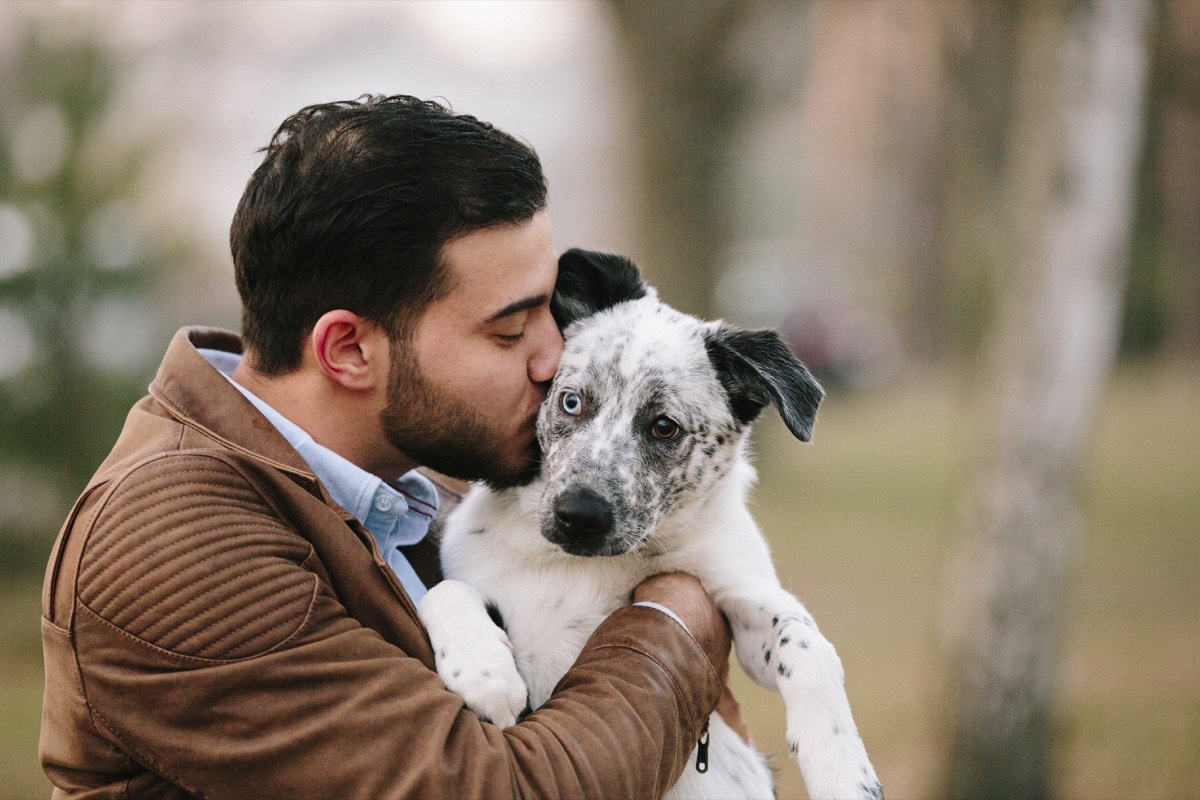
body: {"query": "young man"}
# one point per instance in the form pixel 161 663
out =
pixel 229 610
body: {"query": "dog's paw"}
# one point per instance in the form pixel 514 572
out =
pixel 487 680
pixel 474 656
pixel 821 733
pixel 834 764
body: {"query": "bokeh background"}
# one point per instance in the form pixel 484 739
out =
pixel 977 220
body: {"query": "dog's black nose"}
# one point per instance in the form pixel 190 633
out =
pixel 583 515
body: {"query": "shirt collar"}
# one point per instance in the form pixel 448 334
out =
pixel 398 512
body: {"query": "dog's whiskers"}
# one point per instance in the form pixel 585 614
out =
pixel 655 543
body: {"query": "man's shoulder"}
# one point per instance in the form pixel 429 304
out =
pixel 186 551
pixel 166 489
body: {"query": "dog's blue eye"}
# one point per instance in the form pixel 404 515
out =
pixel 664 429
pixel 572 403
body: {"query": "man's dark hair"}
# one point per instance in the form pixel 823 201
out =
pixel 351 207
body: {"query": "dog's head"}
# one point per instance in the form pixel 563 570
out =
pixel 649 408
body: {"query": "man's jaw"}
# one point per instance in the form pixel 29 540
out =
pixel 528 472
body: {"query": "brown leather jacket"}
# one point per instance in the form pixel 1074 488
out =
pixel 216 626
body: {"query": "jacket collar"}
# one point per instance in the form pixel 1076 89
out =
pixel 195 393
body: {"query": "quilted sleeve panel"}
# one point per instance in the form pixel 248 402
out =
pixel 188 556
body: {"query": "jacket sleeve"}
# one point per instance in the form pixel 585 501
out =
pixel 210 651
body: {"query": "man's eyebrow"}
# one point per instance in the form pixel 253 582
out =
pixel 517 307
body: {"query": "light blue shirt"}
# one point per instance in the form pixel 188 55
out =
pixel 396 513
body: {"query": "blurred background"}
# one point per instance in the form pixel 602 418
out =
pixel 978 221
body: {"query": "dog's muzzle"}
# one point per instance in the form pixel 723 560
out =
pixel 581 524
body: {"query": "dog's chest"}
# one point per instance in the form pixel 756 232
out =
pixel 549 609
pixel 549 619
pixel 550 602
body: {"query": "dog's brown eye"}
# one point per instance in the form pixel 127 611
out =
pixel 664 428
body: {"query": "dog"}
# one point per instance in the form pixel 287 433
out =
pixel 645 469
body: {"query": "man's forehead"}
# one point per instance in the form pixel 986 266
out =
pixel 501 270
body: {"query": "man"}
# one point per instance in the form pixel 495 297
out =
pixel 229 610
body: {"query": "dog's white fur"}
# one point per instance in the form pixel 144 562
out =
pixel 675 505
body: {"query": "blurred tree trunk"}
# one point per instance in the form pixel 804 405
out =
pixel 1164 285
pixel 1067 186
pixel 873 146
pixel 687 102
pixel 914 152
pixel 1180 174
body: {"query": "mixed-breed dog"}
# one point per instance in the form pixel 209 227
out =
pixel 644 437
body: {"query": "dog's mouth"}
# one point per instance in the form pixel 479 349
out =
pixel 605 550
pixel 581 522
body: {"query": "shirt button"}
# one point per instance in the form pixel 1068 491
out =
pixel 383 503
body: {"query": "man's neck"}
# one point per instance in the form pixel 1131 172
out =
pixel 335 418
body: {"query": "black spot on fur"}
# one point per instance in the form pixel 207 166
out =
pixel 768 658
pixel 871 792
pixel 784 640
pixel 784 670
pixel 493 611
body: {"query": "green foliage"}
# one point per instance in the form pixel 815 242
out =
pixel 75 275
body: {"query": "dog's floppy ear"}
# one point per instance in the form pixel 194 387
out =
pixel 756 368
pixel 589 282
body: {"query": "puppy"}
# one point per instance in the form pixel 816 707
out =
pixel 645 470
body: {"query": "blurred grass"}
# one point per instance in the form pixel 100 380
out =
pixel 861 524
pixel 20 690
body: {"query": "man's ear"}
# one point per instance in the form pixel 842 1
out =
pixel 756 368
pixel 589 282
pixel 350 350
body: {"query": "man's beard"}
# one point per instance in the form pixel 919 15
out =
pixel 439 432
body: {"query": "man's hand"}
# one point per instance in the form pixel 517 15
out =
pixel 684 595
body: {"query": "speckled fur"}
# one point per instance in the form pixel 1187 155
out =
pixel 677 504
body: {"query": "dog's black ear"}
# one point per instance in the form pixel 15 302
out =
pixel 589 282
pixel 756 368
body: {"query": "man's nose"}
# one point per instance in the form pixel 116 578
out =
pixel 543 363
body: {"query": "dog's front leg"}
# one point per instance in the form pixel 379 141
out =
pixel 778 645
pixel 474 656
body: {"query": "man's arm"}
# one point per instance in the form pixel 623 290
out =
pixel 210 650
